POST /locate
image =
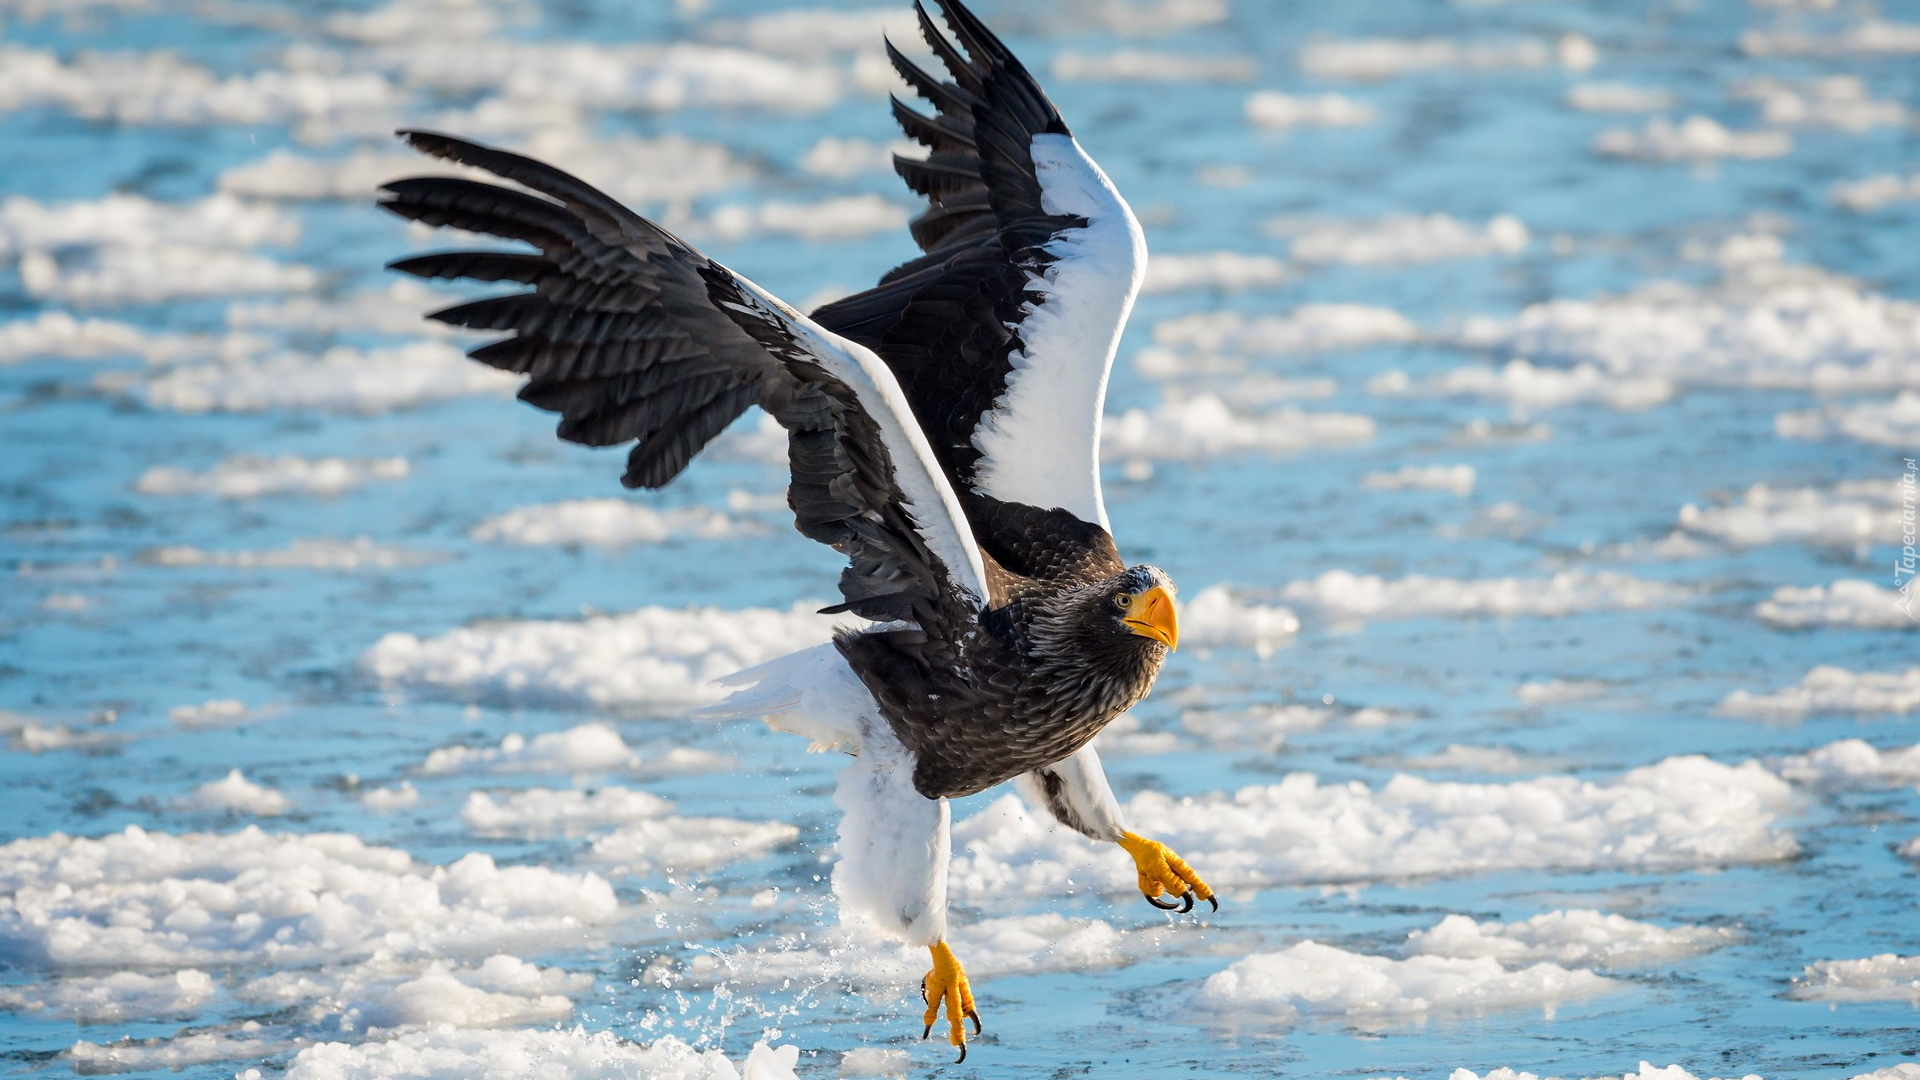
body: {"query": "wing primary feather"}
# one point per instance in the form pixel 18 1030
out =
pixel 945 97
pixel 962 71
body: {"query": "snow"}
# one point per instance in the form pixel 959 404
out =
pixel 57 334
pixel 654 658
pixel 353 555
pixel 385 800
pixel 123 995
pixel 1402 239
pixel 602 523
pixel 844 159
pixel 1855 514
pixel 1385 58
pixel 177 1053
pixel 1613 97
pixel 134 221
pixel 1525 387
pixel 1266 727
pixel 1853 763
pixel 586 749
pixel 539 812
pixel 1221 271
pixel 210 713
pixel 1845 603
pixel 676 843
pixel 163 900
pixel 1877 978
pixel 1886 423
pixel 1204 426
pixel 1310 979
pixel 235 794
pixel 1578 938
pixel 1873 192
pixel 145 275
pixel 575 1054
pixel 816 31
pixel 245 476
pixel 1831 690
pixel 1307 328
pixel 1275 111
pixel 1454 757
pixel 875 1061
pixel 159 88
pixel 1679 812
pixel 1555 691
pixel 1143 65
pixel 1695 139
pixel 1868 37
pixel 341 379
pixel 381 992
pixel 1836 101
pixel 1457 479
pixel 846 217
pixel 397 309
pixel 1339 595
pixel 647 834
pixel 1215 617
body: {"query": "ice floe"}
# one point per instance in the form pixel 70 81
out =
pixel 1578 938
pixel 538 812
pixel 1307 328
pixel 1555 691
pixel 1844 603
pixel 244 476
pixel 1876 978
pixel 1266 727
pixel 217 221
pixel 1457 479
pixel 1852 515
pixel 341 379
pixel 845 158
pixel 396 309
pixel 841 218
pixel 59 335
pixel 585 749
pixel 1524 386
pixel 1833 101
pixel 1868 37
pixel 1679 812
pixel 163 900
pixel 1204 426
pixel 119 275
pixel 235 794
pixel 1385 58
pixel 1458 758
pixel 1222 271
pixel 686 843
pixel 381 992
pixel 213 712
pixel 1311 979
pixel 1276 111
pixel 1886 423
pixel 1143 65
pixel 385 800
pixel 1696 139
pixel 573 1054
pixel 1854 763
pixel 653 658
pixel 1215 617
pixel 357 554
pixel 160 88
pixel 1831 690
pixel 246 1041
pixel 123 995
pixel 1613 97
pixel 1340 595
pixel 1873 192
pixel 1401 239
pixel 602 523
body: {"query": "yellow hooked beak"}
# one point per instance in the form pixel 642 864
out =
pixel 1151 615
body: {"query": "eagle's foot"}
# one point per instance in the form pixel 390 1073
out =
pixel 1161 871
pixel 947 984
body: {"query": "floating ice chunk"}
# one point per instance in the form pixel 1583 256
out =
pixel 1873 192
pixel 1385 58
pixel 1341 595
pixel 211 713
pixel 815 32
pixel 34 737
pixel 1619 98
pixel 843 218
pixel 1867 37
pixel 123 275
pixel 235 794
pixel 1682 811
pixel 1266 727
pixel 1695 139
pixel 123 995
pixel 1853 515
pixel 1833 101
pixel 1203 426
pixel 1853 763
pixel 244 476
pixel 1402 239
pixel 1307 328
pixel 875 1061
pixel 1831 690
pixel 342 379
pixel 244 1042
pixel 1457 479
pixel 1311 979
pixel 52 334
pixel 654 658
pixel 1877 978
pixel 1143 65
pixel 539 812
pixel 576 1054
pixel 1844 603
pixel 843 159
pixel 381 992
pixel 602 523
pixel 1222 271
pixel 353 555
pixel 1578 938
pixel 1275 111
pixel 134 221
pixel 159 88
pixel 162 900
pixel 1646 1072
pixel 1152 18
pixel 677 843
pixel 1492 760
pixel 1555 691
pixel 589 748
pixel 1524 386
pixel 1215 617
pixel 385 800
pixel 1887 423
pixel 397 309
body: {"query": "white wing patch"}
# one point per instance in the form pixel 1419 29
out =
pixel 1040 443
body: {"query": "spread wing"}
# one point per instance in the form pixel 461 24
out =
pixel 1003 332
pixel 630 334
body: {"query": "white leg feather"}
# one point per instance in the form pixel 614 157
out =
pixel 1076 793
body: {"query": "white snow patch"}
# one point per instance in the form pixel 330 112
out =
pixel 1859 604
pixel 1220 271
pixel 1401 239
pixel 57 334
pixel 1886 423
pixel 1525 387
pixel 1203 426
pixel 1855 515
pixel 123 995
pixel 1199 341
pixel 875 1061
pixel 1873 192
pixel 661 658
pixel 1215 617
pixel 575 1054
pixel 1492 760
pixel 1877 978
pixel 1275 111
pixel 1868 37
pixel 180 1052
pixel 1613 97
pixel 397 309
pixel 235 794
pixel 213 712
pixel 159 88
pixel 341 379
pixel 357 554
pixel 1833 101
pixel 1578 938
pixel 1853 763
pixel 162 900
pixel 1266 727
pixel 1682 811
pixel 1457 479
pixel 843 218
pixel 1385 58
pixel 385 800
pixel 588 748
pixel 602 523
pixel 815 31
pixel 123 275
pixel 1311 979
pixel 1831 690
pixel 244 476
pixel 1555 691
pixel 502 991
pixel 843 159
pixel 134 221
pixel 679 843
pixel 542 812
pixel 1695 139
pixel 1148 65
pixel 1339 595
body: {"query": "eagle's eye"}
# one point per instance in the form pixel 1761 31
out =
pixel 1123 601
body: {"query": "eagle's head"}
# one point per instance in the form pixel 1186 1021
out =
pixel 1137 604
pixel 1118 629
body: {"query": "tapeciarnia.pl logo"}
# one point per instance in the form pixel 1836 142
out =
pixel 1903 567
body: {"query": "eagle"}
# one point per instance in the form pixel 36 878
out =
pixel 943 433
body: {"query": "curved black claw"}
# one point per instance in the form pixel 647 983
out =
pixel 975 1017
pixel 1155 901
pixel 925 1033
pixel 963 1055
pixel 1189 904
pixel 1215 901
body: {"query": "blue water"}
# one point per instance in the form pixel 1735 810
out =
pixel 1470 144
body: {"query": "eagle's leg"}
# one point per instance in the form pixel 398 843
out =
pixel 947 985
pixel 1161 871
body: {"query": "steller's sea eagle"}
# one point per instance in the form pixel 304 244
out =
pixel 944 433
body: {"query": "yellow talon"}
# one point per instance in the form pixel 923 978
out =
pixel 947 984
pixel 1161 871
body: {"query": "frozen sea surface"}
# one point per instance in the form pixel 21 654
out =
pixel 1521 397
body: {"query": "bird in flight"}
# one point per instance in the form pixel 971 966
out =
pixel 943 433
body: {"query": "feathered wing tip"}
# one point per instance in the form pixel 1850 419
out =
pixel 811 693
